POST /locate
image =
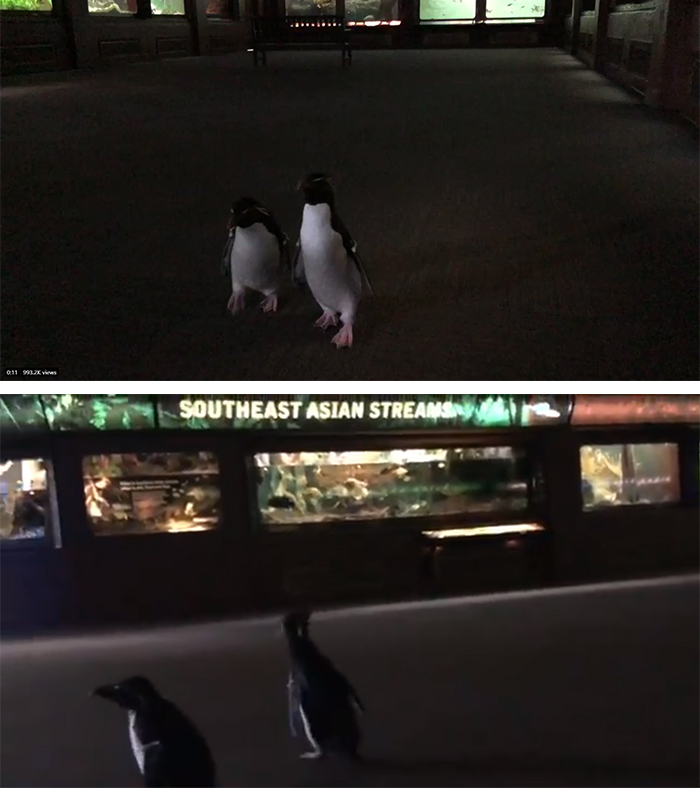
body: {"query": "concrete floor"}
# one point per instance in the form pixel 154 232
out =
pixel 592 686
pixel 521 218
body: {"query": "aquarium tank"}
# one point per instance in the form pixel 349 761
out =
pixel 626 474
pixel 158 7
pixel 165 492
pixel 310 7
pixel 360 11
pixel 26 5
pixel 328 487
pixel 515 9
pixel 447 10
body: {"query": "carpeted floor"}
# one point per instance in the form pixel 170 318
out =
pixel 521 218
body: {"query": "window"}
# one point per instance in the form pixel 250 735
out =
pixel 327 487
pixel 447 10
pixel 151 493
pixel 112 7
pixel 309 7
pixel 360 11
pixel 227 9
pixel 25 5
pixel 624 474
pixel 514 9
pixel 25 504
pixel 168 7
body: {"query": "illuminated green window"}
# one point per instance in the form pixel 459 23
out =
pixel 168 7
pixel 447 10
pixel 335 487
pixel 166 492
pixel 515 9
pixel 629 474
pixel 26 5
pixel 99 411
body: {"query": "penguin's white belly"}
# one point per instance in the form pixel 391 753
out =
pixel 136 744
pixel 255 259
pixel 331 275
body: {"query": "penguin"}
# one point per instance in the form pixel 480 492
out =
pixel 327 260
pixel 168 749
pixel 322 702
pixel 254 255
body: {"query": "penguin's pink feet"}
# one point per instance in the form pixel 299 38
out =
pixel 269 304
pixel 344 337
pixel 236 303
pixel 327 319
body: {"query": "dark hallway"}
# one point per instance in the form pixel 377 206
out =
pixel 521 218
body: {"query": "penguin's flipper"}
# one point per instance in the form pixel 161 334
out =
pixel 272 226
pixel 361 268
pixel 293 699
pixel 226 256
pixel 155 769
pixel 350 245
pixel 298 272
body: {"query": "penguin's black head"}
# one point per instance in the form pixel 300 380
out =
pixel 296 623
pixel 132 693
pixel 317 189
pixel 245 212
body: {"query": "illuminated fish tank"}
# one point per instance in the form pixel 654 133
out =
pixel 158 7
pixel 371 11
pixel 515 9
pixel 165 492
pixel 341 487
pixel 26 5
pixel 310 7
pixel 447 10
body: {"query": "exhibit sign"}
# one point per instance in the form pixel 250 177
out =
pixel 73 412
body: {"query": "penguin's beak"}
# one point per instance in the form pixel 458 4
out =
pixel 231 223
pixel 108 691
pixel 300 184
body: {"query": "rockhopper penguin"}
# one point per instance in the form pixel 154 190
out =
pixel 254 255
pixel 322 702
pixel 327 260
pixel 168 749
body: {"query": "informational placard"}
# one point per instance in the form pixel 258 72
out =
pixel 151 493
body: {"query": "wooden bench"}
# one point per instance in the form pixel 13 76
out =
pixel 300 32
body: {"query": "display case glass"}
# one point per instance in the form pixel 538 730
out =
pixel 515 9
pixel 25 500
pixel 26 5
pixel 151 493
pixel 331 487
pixel 310 7
pixel 447 10
pixel 371 11
pixel 628 474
